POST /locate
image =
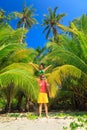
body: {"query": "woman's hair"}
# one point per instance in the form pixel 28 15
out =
pixel 42 64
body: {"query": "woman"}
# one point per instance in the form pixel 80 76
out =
pixel 44 91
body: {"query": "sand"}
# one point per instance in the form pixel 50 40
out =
pixel 51 123
pixel 43 123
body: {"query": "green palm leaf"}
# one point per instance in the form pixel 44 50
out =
pixel 8 35
pixel 60 54
pixel 5 50
pixel 81 36
pixel 59 74
pixel 21 66
pixel 23 55
pixel 21 79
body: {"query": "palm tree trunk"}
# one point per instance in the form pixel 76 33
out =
pixel 8 106
pixel 19 105
pixel 27 104
pixel 22 32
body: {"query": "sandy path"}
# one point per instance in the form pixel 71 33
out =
pixel 37 124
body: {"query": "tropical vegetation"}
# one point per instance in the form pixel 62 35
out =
pixel 66 52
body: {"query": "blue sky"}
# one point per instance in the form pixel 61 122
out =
pixel 35 38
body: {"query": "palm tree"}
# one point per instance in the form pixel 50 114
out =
pixel 50 21
pixel 26 18
pixel 15 72
pixel 71 59
pixel 16 77
pixel 17 65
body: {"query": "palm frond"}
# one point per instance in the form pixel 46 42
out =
pixel 55 9
pixel 8 35
pixel 20 22
pixel 60 16
pixel 59 74
pixel 50 12
pixel 7 49
pixel 22 79
pixel 21 66
pixel 17 15
pixel 48 32
pixel 59 54
pixel 23 55
pixel 46 29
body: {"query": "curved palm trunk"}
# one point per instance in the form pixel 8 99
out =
pixel 22 32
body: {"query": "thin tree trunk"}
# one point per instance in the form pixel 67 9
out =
pixel 8 106
pixel 22 32
pixel 27 104
pixel 19 105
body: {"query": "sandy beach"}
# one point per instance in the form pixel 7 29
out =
pixel 51 123
pixel 22 121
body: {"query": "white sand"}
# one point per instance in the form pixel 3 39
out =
pixel 10 123
pixel 37 124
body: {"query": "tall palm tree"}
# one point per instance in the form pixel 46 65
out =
pixel 51 20
pixel 26 18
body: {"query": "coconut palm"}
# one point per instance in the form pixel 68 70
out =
pixel 17 77
pixel 50 21
pixel 21 57
pixel 71 55
pixel 15 72
pixel 26 18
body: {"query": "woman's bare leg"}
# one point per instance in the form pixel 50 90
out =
pixel 40 109
pixel 46 109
